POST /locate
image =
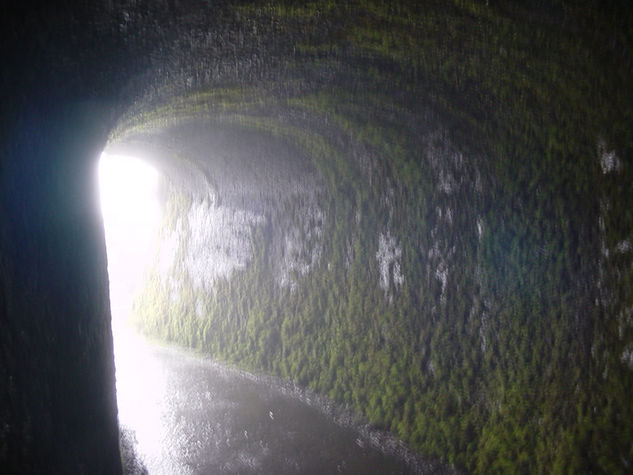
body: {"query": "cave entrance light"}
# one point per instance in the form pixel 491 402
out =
pixel 129 203
pixel 131 214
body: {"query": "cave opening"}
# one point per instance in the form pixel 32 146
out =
pixel 131 213
pixel 129 197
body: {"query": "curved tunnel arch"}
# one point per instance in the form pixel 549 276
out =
pixel 413 189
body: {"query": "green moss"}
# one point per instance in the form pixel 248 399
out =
pixel 514 364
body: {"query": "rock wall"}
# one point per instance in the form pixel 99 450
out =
pixel 58 409
pixel 418 209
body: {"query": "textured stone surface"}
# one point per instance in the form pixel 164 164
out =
pixel 448 180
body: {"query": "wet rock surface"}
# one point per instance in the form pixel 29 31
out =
pixel 183 413
pixel 426 208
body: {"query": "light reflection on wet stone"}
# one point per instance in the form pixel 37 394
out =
pixel 190 415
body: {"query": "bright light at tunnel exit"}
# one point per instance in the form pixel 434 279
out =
pixel 131 213
pixel 129 203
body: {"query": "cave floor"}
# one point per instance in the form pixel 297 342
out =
pixel 188 414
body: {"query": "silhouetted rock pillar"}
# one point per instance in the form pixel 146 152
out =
pixel 57 393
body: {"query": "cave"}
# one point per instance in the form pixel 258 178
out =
pixel 420 210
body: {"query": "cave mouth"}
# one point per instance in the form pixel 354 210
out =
pixel 129 197
pixel 131 214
